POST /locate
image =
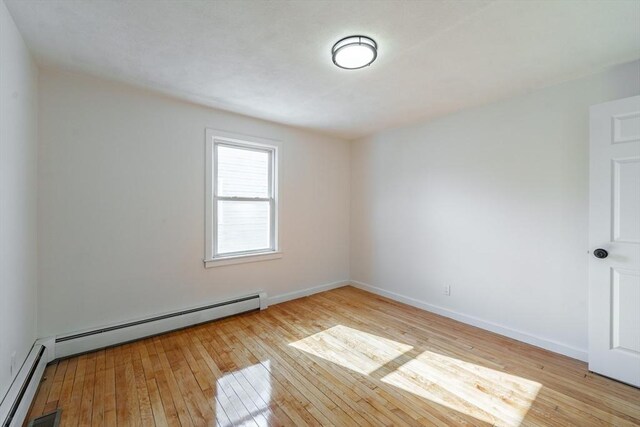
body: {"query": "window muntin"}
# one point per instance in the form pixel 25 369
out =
pixel 244 202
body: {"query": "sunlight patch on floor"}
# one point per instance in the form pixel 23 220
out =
pixel 359 351
pixel 486 394
pixel 483 393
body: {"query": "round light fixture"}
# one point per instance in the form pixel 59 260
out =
pixel 354 52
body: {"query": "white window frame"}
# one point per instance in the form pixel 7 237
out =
pixel 214 139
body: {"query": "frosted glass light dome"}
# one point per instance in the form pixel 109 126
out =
pixel 354 52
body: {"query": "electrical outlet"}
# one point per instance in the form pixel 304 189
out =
pixel 12 369
pixel 447 290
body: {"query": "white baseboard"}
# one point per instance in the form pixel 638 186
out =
pixel 547 344
pixel 15 405
pixel 109 335
pixel 115 334
pixel 277 299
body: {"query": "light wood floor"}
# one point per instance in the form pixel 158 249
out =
pixel 343 357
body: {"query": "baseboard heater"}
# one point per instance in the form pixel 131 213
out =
pixel 16 403
pixel 82 342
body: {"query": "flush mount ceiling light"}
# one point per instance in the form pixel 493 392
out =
pixel 354 52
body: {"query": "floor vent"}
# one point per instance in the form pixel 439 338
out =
pixel 85 341
pixel 49 420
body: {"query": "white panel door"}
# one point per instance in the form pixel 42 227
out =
pixel 614 239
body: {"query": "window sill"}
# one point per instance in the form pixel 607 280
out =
pixel 241 259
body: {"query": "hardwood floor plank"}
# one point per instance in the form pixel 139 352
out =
pixel 71 417
pixel 157 407
pixel 110 418
pixel 199 409
pixel 146 413
pixel 121 397
pixel 343 357
pixel 97 417
pixel 86 406
pixel 170 412
pixel 172 385
pixel 58 379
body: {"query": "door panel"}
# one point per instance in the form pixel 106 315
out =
pixel 614 225
pixel 626 200
pixel 625 316
pixel 626 127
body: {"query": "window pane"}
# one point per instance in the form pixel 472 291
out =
pixel 243 226
pixel 242 173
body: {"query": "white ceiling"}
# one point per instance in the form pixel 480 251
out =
pixel 271 59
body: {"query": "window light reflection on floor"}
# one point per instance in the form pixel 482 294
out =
pixel 257 396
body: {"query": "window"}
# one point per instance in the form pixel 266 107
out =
pixel 242 208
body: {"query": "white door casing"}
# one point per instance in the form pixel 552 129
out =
pixel 614 225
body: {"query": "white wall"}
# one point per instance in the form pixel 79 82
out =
pixel 18 157
pixel 492 201
pixel 121 209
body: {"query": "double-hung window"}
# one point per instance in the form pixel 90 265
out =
pixel 242 209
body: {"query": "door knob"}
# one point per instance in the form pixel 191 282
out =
pixel 600 253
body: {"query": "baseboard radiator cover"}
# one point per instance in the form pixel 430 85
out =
pixel 89 340
pixel 16 403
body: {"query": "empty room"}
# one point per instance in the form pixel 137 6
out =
pixel 319 213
